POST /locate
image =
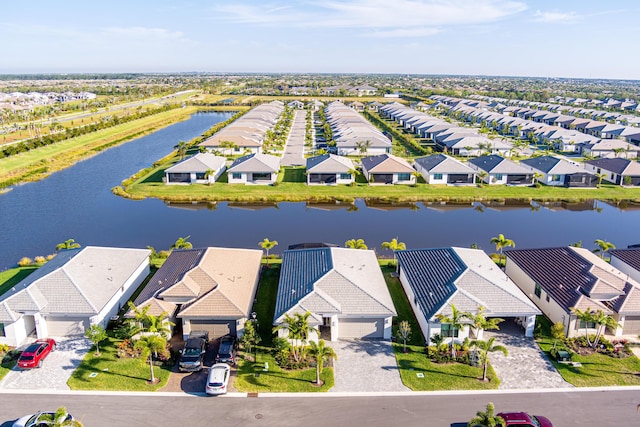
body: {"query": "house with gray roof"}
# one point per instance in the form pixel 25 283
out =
pixel 615 170
pixel 559 172
pixel 560 279
pixel 387 169
pixel 209 289
pixel 343 289
pixel 500 171
pixel 442 169
pixel 436 279
pixel 203 168
pixel 254 168
pixel 329 169
pixel 76 289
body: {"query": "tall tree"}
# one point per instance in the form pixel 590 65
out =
pixel 394 245
pixel 480 322
pixel 602 321
pixel 320 352
pixel 485 348
pixel 148 346
pixel 455 322
pixel 181 149
pixel 67 244
pixel 603 247
pixel 356 244
pixel 486 419
pixel 96 334
pixel 502 242
pixel 298 331
pixel 182 243
pixel 404 332
pixel 267 245
pixel 250 337
pixel 585 317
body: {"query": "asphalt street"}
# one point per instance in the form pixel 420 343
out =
pixel 568 408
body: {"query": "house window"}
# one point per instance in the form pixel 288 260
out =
pixel 236 149
pixel 345 176
pixel 236 175
pixel 404 177
pixel 548 298
pixel 555 177
pixel 200 175
pixel 588 325
pixel 437 176
pixel 2 332
pixel 498 177
pixel 537 290
pixel 448 331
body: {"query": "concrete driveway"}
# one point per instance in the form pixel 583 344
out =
pixel 56 370
pixel 365 365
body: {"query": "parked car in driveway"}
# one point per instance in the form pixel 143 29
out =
pixel 522 419
pixel 227 350
pixel 39 419
pixel 192 355
pixel 35 353
pixel 218 379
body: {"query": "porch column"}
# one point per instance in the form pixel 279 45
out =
pixel 387 328
pixel 41 325
pixel 335 325
pixel 530 324
pixel 619 329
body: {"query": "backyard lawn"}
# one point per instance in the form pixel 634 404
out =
pixel 12 276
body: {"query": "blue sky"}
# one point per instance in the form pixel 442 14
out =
pixel 548 38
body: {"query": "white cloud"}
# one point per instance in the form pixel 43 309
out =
pixel 405 32
pixel 553 17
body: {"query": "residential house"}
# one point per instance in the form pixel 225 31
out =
pixel 254 169
pixel 203 168
pixel 388 169
pixel 500 171
pixel 611 148
pixel 559 280
pixel 436 279
pixel 343 289
pixel 442 169
pixel 617 171
pixel 559 172
pixel 330 169
pixel 76 289
pixel 210 289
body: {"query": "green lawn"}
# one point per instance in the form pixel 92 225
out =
pixel 597 370
pixel 114 373
pixel 12 276
pixel 440 376
pixel 6 365
pixel 404 310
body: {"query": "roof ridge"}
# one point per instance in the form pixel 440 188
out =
pixel 75 285
pixel 365 292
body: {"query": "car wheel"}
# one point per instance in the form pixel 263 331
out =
pixel 39 363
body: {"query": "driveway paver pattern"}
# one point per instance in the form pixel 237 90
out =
pixel 365 365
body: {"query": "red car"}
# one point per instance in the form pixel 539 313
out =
pixel 33 355
pixel 522 419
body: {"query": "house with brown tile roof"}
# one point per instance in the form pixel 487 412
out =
pixel 210 289
pixel 388 169
pixel 560 279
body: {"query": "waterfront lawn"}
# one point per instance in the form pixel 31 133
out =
pixel 439 376
pixel 9 278
pixel 597 370
pixel 113 373
pixel 403 308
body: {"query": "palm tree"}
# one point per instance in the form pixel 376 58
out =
pixel 298 330
pixel 455 322
pixel 502 242
pixel 355 244
pixel 600 177
pixel 320 352
pixel 585 317
pixel 182 243
pixel 181 149
pixel 536 178
pixel 267 245
pixel 487 347
pixel 208 174
pixel 603 247
pixel 150 345
pixel 479 322
pixel 602 322
pixel 61 418
pixel 394 245
pixel 486 419
pixel 67 244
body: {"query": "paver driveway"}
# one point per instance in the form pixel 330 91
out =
pixel 365 365
pixel 56 369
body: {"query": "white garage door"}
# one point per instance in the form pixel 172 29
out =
pixel 631 325
pixel 65 326
pixel 361 328
pixel 216 328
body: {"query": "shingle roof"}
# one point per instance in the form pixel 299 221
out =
pixel 439 163
pixel 550 164
pixel 498 164
pixel 386 163
pixel 329 163
pixel 617 165
pixel 630 257
pixel 256 163
pixel 201 162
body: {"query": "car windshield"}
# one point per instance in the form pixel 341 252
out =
pixel 26 357
pixel 535 421
pixel 32 348
pixel 215 384
pixel 191 351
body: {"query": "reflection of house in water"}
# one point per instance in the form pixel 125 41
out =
pixel 508 204
pixel 311 245
pixel 332 206
pixel 389 206
pixel 252 206
pixel 193 206
pixel 584 205
pixel 450 206
pixel 623 205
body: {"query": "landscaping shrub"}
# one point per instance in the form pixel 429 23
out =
pixel 40 259
pixel 25 261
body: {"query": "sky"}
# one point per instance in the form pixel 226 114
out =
pixel 541 38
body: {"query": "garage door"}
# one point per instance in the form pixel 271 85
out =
pixel 65 326
pixel 361 328
pixel 631 325
pixel 216 328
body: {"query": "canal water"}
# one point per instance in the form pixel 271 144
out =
pixel 77 203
